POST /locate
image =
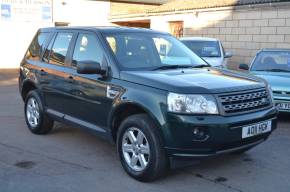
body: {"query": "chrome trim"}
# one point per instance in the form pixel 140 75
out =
pixel 244 109
pixel 83 123
pixel 112 93
pixel 75 120
pixel 56 113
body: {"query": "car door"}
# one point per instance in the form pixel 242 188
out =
pixel 53 72
pixel 88 102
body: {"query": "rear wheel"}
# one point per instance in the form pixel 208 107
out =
pixel 37 121
pixel 140 148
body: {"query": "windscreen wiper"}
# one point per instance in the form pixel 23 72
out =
pixel 278 70
pixel 274 70
pixel 164 67
pixel 201 66
pixel 210 56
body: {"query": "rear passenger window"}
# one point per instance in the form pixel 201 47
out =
pixel 35 48
pixel 87 49
pixel 60 48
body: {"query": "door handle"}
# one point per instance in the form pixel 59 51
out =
pixel 42 72
pixel 70 79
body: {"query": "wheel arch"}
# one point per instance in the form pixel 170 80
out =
pixel 126 109
pixel 26 87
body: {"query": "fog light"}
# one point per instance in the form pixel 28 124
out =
pixel 199 134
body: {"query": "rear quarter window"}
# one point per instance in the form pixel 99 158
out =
pixel 36 47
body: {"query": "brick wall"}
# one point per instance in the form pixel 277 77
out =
pixel 244 31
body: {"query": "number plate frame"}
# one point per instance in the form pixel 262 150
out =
pixel 256 129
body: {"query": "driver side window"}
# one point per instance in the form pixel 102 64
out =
pixel 87 49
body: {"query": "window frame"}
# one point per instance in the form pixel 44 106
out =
pixel 52 39
pixel 218 46
pixel 42 47
pixel 223 51
pixel 257 57
pixel 73 47
pixel 117 64
pixel 53 35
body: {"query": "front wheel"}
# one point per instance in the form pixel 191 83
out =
pixel 140 148
pixel 36 119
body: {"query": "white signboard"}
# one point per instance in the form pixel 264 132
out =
pixel 26 10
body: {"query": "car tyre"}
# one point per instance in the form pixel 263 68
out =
pixel 36 119
pixel 149 162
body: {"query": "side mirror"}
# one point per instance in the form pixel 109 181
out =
pixel 244 67
pixel 89 67
pixel 228 54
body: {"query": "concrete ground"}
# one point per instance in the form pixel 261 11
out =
pixel 69 159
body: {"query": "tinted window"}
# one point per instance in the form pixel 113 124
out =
pixel 149 51
pixel 272 61
pixel 45 57
pixel 87 49
pixel 60 48
pixel 112 43
pixel 204 48
pixel 35 48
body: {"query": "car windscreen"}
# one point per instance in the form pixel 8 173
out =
pixel 275 61
pixel 204 48
pixel 146 51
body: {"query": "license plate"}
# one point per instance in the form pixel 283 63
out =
pixel 283 106
pixel 256 129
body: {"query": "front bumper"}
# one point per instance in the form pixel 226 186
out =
pixel 224 133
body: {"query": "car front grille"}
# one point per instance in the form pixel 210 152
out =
pixel 283 93
pixel 243 102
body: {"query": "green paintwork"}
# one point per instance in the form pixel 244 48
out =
pixel 82 100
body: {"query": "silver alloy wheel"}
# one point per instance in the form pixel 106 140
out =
pixel 135 148
pixel 32 112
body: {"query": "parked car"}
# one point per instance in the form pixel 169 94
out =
pixel 210 49
pixel 146 92
pixel 273 65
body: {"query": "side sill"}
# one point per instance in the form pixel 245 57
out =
pixel 74 120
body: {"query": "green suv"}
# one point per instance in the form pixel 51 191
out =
pixel 145 91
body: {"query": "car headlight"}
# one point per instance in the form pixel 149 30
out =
pixel 271 94
pixel 192 104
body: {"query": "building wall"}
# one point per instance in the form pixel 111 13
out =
pixel 243 30
pixel 17 32
pixel 118 9
pixel 82 12
pixel 19 21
